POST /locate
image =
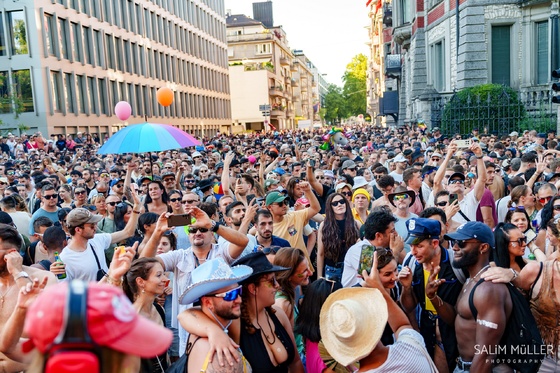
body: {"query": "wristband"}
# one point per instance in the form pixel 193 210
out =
pixel 136 212
pixel 482 156
pixel 215 226
pixel 515 274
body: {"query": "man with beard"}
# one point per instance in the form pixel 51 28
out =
pixel 13 276
pixel 264 226
pixel 239 218
pixel 216 285
pixel 437 317
pixel 477 339
pixel 89 182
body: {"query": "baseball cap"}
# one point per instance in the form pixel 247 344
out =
pixel 420 229
pixel 166 174
pixel 514 134
pixel 473 229
pixel 269 182
pixel 275 197
pixel 80 216
pixel 115 182
pixel 111 321
pixel 348 164
pixel 457 174
pixel 328 173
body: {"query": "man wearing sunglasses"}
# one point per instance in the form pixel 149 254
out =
pixel 428 260
pixel 49 208
pixel 216 285
pixel 183 262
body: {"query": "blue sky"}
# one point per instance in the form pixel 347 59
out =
pixel 329 32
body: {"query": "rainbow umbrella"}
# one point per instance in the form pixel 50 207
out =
pixel 147 137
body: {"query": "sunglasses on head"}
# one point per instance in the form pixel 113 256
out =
pixel 271 249
pixel 228 296
pixel 195 230
pixel 336 203
pixel 520 241
pixel 51 196
pixel 517 208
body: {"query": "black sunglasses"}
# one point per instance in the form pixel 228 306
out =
pixel 271 249
pixel 175 199
pixel 462 243
pixel 520 241
pixel 442 203
pixel 336 203
pixel 51 196
pixel 195 230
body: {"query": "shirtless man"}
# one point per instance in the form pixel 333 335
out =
pixel 476 339
pixel 386 184
pixel 13 276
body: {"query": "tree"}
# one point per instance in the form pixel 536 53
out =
pixel 355 89
pixel 334 102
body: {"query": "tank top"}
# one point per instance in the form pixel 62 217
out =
pixel 545 308
pixel 256 353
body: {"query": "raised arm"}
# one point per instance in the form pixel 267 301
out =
pixel 314 205
pixel 130 227
pixel 438 178
pixel 225 173
pixel 317 186
pixel 481 170
pixel 150 249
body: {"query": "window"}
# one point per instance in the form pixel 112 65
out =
pixel 102 89
pixel 501 55
pixel 119 54
pixel 24 90
pixel 63 37
pixel 50 35
pixel 437 52
pixel 70 100
pixel 57 93
pixel 5 97
pixel 541 54
pixel 82 93
pixel 77 39
pixel 18 33
pixel 115 92
pixel 98 47
pixel 88 46
pixel 263 48
pixel 109 44
pixel 404 10
pixel 93 109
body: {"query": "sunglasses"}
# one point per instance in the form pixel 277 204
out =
pixel 400 197
pixel 228 296
pixel 462 243
pixel 190 181
pixel 284 202
pixel 189 201
pixel 51 196
pixel 168 167
pixel 436 159
pixel 556 207
pixel 195 230
pixel 119 185
pixel 113 203
pixel 517 208
pixel 174 200
pixel 544 200
pixel 377 177
pixel 320 177
pixel 271 282
pixel 80 192
pixel 347 194
pixel 271 249
pixel 104 175
pixel 442 203
pixel 520 241
pixel 336 203
pixel 3 183
pixel 456 181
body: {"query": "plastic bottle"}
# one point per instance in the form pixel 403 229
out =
pixel 57 259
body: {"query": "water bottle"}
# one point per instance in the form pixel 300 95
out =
pixel 57 259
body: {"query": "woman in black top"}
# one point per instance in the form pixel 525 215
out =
pixel 337 233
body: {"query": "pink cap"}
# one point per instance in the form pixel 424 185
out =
pixel 304 201
pixel 112 322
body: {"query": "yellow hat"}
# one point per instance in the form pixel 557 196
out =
pixel 361 191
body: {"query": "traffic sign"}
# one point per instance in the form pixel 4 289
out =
pixel 264 107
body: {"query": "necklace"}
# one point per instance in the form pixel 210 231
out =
pixel 225 328
pixel 270 326
pixel 3 295
pixel 474 277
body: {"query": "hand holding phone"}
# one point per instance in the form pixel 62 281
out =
pixel 180 220
pixel 452 198
pixel 366 259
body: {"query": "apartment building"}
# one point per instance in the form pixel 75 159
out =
pixel 64 64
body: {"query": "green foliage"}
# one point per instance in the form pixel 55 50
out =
pixel 492 108
pixel 355 89
pixel 20 37
pixel 335 104
pixel 540 120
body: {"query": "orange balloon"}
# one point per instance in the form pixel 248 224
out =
pixel 164 96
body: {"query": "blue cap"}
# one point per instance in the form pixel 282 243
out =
pixel 279 170
pixel 473 229
pixel 114 182
pixel 420 229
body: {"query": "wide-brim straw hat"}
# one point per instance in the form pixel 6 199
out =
pixel 352 321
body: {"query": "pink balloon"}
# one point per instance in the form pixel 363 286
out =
pixel 123 110
pixel 326 137
pixel 252 159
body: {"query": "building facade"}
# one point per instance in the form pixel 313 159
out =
pixel 64 64
pixel 444 46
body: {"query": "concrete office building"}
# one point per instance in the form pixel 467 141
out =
pixel 64 64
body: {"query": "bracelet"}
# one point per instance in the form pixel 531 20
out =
pixel 136 212
pixel 440 300
pixel 515 274
pixel 112 281
pixel 482 156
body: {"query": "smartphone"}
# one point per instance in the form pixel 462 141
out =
pixel 452 198
pixel 366 258
pixel 179 220
pixel 259 201
pixel 312 163
pixel 462 144
pixel 531 235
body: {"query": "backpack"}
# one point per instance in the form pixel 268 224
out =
pixel 410 262
pixel 521 346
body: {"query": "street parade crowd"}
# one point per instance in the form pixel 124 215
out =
pixel 342 249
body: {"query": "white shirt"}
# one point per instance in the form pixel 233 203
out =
pixel 468 206
pixel 182 263
pixel 352 263
pixel 81 265
pixel 502 208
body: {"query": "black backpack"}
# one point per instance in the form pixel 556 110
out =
pixel 521 346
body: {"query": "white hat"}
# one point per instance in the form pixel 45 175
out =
pixel 328 173
pixel 196 154
pixel 213 275
pixel 359 181
pixel 514 134
pixel 400 158
pixel 352 321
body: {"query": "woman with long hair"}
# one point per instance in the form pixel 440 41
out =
pixel 157 198
pixel 510 246
pixel 176 202
pixel 307 323
pixel 65 195
pixel 336 234
pixel 291 281
pixel 518 216
pixel 21 219
pixel 549 212
pixel 143 282
pixel 523 196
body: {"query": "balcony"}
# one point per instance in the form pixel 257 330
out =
pixel 284 61
pixel 393 65
pixel 249 37
pixel 276 91
pixel 304 87
pixel 288 80
pixel 278 111
pixel 293 67
pixel 402 35
pixel 295 83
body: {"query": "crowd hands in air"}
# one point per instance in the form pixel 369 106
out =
pixel 282 251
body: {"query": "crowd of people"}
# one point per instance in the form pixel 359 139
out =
pixel 282 251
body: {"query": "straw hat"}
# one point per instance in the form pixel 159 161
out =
pixel 352 321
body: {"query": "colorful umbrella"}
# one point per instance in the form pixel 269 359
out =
pixel 147 137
